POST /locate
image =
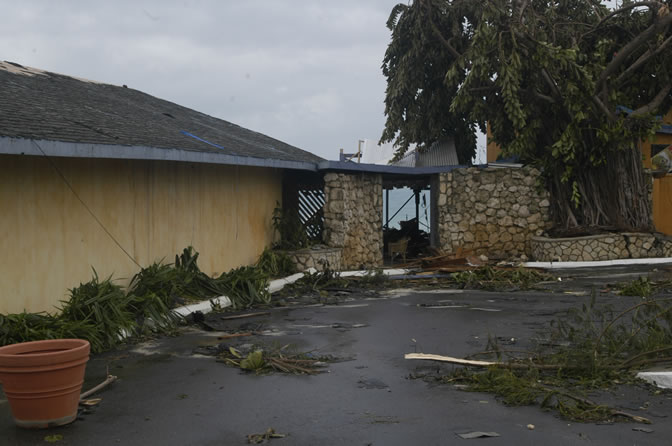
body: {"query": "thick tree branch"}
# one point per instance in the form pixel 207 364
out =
pixel 543 97
pixel 627 50
pixel 642 60
pixel 608 113
pixel 521 9
pixel 654 104
pixel 648 4
pixel 435 29
pixel 551 83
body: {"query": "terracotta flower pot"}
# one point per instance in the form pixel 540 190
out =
pixel 43 380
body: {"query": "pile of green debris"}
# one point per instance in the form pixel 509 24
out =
pixel 591 348
pixel 105 314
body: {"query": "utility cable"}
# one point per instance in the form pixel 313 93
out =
pixel 67 183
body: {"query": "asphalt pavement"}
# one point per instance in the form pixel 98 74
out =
pixel 169 393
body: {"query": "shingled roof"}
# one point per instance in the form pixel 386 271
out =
pixel 43 106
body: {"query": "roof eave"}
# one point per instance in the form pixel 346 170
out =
pixel 346 166
pixel 22 146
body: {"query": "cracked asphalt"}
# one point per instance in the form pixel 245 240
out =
pixel 170 394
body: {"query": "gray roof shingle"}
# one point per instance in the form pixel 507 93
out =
pixel 41 105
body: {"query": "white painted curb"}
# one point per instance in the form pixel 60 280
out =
pixel 597 263
pixel 203 306
pixel 660 379
pixel 223 301
pixel 387 272
pixel 275 285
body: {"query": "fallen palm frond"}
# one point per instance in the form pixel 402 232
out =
pixel 104 305
pixel 493 278
pixel 590 348
pixel 105 314
pixel 22 327
pixel 245 286
pixel 262 361
pixel 275 263
pixel 183 280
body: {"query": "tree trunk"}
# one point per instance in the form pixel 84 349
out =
pixel 614 195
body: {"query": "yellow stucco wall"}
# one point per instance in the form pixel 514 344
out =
pixel 662 204
pixel 153 208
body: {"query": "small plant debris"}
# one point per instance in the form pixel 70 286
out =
pixel 275 263
pixel 640 287
pixel 262 438
pixel 53 438
pixel 292 234
pixel 263 360
pixel 318 281
pixel 495 279
pixel 374 278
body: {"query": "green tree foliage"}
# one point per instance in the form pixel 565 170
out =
pixel 416 62
pixel 571 86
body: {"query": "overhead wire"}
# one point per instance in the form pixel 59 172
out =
pixel 88 209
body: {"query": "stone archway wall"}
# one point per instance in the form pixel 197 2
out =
pixel 353 218
pixel 493 211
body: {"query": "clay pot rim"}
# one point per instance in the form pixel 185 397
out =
pixel 43 352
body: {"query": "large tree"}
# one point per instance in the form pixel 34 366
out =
pixel 571 86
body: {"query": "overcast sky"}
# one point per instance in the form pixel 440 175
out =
pixel 305 72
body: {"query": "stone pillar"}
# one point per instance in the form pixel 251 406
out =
pixel 353 218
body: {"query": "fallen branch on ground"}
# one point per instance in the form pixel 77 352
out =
pixel 109 380
pixel 475 363
pixel 241 316
pixel 236 335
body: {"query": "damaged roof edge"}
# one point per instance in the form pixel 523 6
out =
pixel 347 166
pixel 21 146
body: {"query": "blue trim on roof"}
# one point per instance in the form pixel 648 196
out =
pixel 23 146
pixel 184 132
pixel 629 111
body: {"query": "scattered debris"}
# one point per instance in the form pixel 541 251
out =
pixel 477 434
pixel 372 383
pixel 90 403
pixel 591 348
pixel 530 427
pixel 262 438
pixel 500 278
pixel 262 361
pixel 642 287
pixel 642 429
pixel 53 438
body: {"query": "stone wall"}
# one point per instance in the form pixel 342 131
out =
pixel 316 257
pixel 490 211
pixel 353 218
pixel 601 247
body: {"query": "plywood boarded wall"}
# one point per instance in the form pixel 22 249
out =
pixel 154 209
